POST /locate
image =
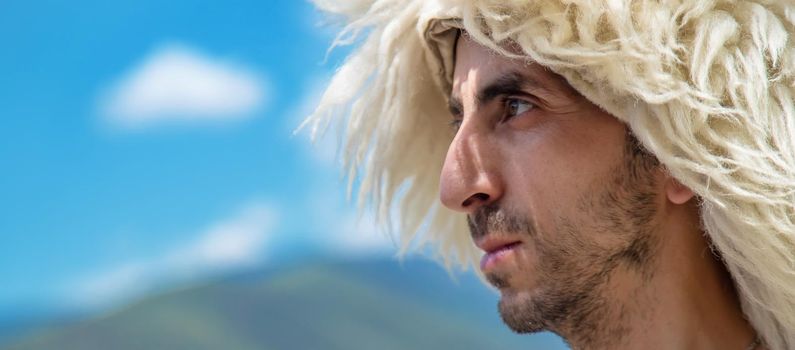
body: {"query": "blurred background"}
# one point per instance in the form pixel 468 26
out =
pixel 154 196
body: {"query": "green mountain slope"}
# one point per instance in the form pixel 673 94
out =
pixel 366 305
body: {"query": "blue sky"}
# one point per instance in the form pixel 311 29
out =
pixel 120 170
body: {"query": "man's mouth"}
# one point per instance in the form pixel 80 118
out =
pixel 497 250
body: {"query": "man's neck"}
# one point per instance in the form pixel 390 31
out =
pixel 689 302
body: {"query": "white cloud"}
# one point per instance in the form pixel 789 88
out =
pixel 234 242
pixel 339 229
pixel 360 236
pixel 178 83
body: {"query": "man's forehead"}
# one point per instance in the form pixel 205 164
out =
pixel 480 66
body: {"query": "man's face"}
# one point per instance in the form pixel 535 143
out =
pixel 556 191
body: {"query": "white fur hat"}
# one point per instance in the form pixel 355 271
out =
pixel 707 86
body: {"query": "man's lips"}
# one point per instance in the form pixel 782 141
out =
pixel 497 249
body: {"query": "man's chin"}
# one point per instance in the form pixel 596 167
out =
pixel 518 312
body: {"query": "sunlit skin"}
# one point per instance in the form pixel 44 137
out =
pixel 587 237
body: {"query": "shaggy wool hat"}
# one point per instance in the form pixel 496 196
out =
pixel 707 86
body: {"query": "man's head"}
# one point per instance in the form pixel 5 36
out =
pixel 707 88
pixel 557 191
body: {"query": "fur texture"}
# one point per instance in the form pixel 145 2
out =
pixel 706 85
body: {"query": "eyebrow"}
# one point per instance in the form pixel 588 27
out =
pixel 510 83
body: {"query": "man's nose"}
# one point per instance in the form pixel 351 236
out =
pixel 470 177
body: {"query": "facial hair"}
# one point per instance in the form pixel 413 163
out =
pixel 573 267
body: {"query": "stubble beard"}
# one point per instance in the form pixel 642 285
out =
pixel 573 270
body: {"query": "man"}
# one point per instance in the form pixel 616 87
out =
pixel 627 168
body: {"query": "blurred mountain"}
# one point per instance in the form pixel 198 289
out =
pixel 379 304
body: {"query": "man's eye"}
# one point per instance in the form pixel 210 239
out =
pixel 514 107
pixel 455 124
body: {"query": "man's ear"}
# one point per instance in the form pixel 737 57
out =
pixel 676 192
